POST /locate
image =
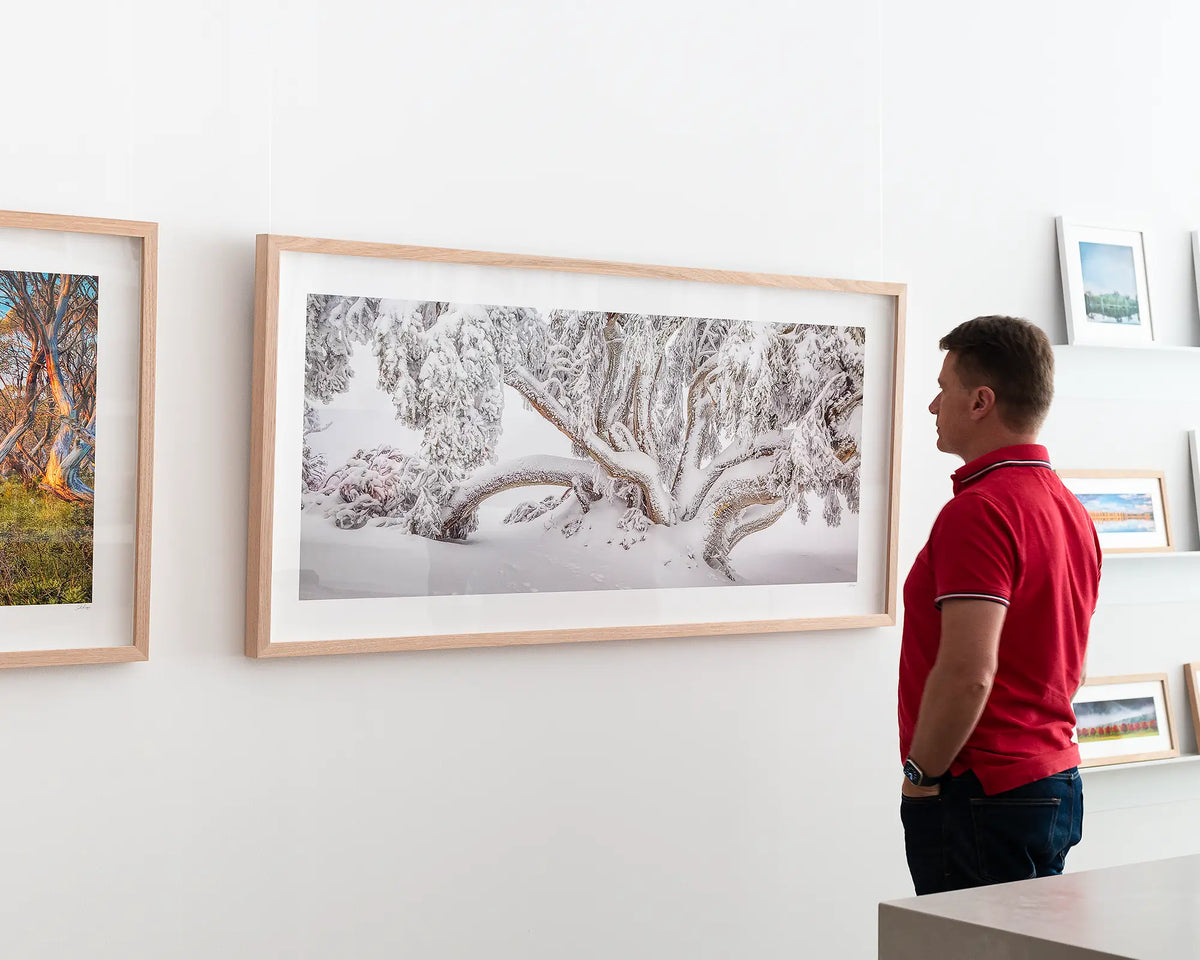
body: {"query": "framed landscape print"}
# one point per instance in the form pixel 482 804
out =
pixel 1124 719
pixel 77 310
pixel 1191 672
pixel 1104 285
pixel 454 448
pixel 1129 508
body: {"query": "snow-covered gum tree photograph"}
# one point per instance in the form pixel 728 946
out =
pixel 661 451
pixel 490 449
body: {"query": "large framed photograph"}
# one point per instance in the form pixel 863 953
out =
pixel 454 448
pixel 1128 507
pixel 1105 291
pixel 1191 672
pixel 77 310
pixel 1124 719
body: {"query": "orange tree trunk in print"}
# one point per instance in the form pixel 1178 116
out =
pixel 49 341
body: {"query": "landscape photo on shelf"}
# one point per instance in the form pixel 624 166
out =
pixel 1129 508
pixel 1122 719
pixel 1105 290
pixel 1120 512
pixel 1109 283
pixel 1116 719
pixel 453 449
pixel 48 339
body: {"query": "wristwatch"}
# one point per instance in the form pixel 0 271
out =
pixel 918 777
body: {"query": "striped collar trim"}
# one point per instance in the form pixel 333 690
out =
pixel 1004 463
pixel 1018 455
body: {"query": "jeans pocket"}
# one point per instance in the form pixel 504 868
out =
pixel 923 842
pixel 1014 836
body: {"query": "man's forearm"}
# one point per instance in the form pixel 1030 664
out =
pixel 950 707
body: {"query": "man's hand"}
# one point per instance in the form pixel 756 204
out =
pixel 909 789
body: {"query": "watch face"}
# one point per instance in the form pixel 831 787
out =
pixel 912 772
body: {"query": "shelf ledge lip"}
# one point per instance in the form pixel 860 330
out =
pixel 1144 347
pixel 1151 555
pixel 1165 761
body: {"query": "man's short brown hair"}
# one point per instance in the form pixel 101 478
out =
pixel 1011 356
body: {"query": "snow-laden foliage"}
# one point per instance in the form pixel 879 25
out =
pixel 720 424
pixel 314 466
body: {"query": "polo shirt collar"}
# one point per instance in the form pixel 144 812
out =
pixel 1021 455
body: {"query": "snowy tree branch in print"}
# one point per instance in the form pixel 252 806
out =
pixel 720 424
pixel 526 472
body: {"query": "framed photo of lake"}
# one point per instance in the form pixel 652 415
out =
pixel 1128 507
pixel 457 448
pixel 1105 292
pixel 1124 719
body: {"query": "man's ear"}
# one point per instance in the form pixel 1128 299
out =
pixel 983 403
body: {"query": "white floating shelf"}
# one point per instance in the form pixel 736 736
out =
pixel 1167 761
pixel 1143 347
pixel 1157 555
pixel 1174 780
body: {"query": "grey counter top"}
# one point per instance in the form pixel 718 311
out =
pixel 1142 911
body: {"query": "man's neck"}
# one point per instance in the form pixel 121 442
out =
pixel 997 442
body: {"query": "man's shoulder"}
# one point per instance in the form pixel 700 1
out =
pixel 972 501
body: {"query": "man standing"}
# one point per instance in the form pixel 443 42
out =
pixel 997 610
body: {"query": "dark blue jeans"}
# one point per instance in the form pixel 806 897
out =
pixel 964 838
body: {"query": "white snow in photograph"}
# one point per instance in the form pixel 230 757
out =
pixel 455 449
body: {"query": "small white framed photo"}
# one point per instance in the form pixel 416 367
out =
pixel 1124 719
pixel 1128 507
pixel 1105 291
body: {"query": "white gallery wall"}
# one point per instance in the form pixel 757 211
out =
pixel 713 797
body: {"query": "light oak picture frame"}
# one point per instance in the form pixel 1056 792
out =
pixel 1191 673
pixel 1129 507
pixel 1125 719
pixel 291 271
pixel 122 258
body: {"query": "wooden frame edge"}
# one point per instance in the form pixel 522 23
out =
pixel 259 545
pixel 575 635
pixel 147 232
pixel 281 243
pixel 1189 676
pixel 269 247
pixel 1172 733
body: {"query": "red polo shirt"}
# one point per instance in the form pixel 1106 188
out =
pixel 1012 534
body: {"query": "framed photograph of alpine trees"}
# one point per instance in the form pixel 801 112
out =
pixel 454 448
pixel 1105 291
pixel 77 314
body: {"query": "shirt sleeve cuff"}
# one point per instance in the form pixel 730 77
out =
pixel 971 595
